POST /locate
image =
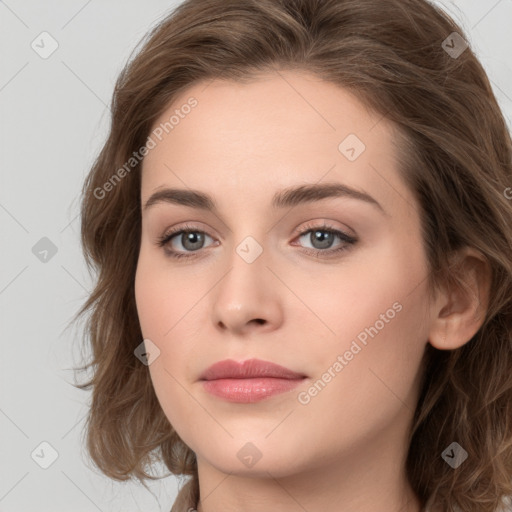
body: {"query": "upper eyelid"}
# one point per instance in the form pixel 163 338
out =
pixel 321 226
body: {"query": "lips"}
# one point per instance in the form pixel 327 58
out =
pixel 249 369
pixel 249 381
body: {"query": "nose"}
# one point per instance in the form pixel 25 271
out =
pixel 248 297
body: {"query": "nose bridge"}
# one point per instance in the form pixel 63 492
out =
pixel 247 264
pixel 245 292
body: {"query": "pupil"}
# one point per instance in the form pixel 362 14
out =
pixel 324 238
pixel 194 239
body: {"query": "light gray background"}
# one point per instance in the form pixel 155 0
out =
pixel 54 118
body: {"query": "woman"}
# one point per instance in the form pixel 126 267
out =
pixel 301 222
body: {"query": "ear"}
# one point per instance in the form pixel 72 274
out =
pixel 459 310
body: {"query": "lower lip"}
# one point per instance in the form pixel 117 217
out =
pixel 249 390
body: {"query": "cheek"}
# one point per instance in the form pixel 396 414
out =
pixel 380 287
pixel 160 309
pixel 376 310
pixel 383 331
pixel 148 301
pixel 160 296
pixel 165 307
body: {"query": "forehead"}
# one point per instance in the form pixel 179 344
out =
pixel 276 131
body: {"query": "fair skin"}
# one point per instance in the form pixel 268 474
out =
pixel 345 449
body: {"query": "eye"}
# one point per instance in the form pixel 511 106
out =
pixel 192 240
pixel 322 238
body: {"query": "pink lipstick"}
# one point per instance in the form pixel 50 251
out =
pixel 249 381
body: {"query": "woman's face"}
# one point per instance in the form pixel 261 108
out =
pixel 267 281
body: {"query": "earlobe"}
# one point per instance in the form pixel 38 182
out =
pixel 460 310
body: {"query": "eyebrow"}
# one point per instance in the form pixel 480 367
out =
pixel 289 197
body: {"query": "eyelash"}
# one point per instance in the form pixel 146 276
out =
pixel 167 237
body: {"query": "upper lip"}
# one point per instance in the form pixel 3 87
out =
pixel 251 368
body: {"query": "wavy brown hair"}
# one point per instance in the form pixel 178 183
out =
pixel 455 156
